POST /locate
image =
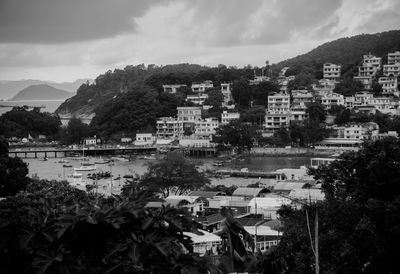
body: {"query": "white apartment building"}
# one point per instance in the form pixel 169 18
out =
pixel 297 115
pixel 365 131
pixel 394 57
pixel 169 128
pixel 389 84
pixel 332 71
pixel 371 60
pixel 172 88
pixel 332 99
pixel 204 129
pixel 383 104
pixel 201 87
pixel 360 99
pixel 278 112
pixel 197 99
pixel 227 117
pixel 226 89
pixel 189 114
pixel 392 70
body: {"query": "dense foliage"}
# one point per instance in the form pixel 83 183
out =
pixel 13 172
pixel 19 122
pixel 236 135
pixel 75 132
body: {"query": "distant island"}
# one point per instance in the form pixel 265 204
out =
pixel 41 92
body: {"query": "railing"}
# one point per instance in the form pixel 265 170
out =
pixel 263 246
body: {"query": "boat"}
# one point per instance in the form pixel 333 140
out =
pixel 63 162
pixel 66 166
pixel 121 158
pixel 218 163
pixel 86 167
pixel 151 157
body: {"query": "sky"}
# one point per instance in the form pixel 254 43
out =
pixel 63 40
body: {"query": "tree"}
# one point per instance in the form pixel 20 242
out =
pixel 241 93
pixel 376 89
pixel 362 202
pixel 261 91
pixel 215 98
pixel 13 172
pixel 75 132
pixel 348 87
pixel 173 175
pixel 237 135
pixel 301 81
pixel 316 112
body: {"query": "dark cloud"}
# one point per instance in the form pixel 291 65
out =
pixel 57 21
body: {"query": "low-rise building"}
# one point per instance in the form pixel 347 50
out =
pixel 332 71
pixel 197 99
pixel 202 87
pixel 364 131
pixel 173 88
pixel 169 128
pixel 382 104
pixel 301 97
pixel 349 102
pixel 145 139
pixel 323 87
pixel 227 117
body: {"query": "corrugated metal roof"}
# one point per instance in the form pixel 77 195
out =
pixel 206 237
pixel 207 194
pixel 249 191
pixel 283 185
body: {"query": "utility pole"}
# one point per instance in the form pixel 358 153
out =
pixel 316 242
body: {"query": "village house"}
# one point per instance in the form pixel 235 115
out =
pixel 227 117
pixel 197 99
pixel 394 57
pixel 173 88
pixel 202 87
pixel 323 87
pixel 278 112
pixel 332 99
pixel 144 139
pixel 389 85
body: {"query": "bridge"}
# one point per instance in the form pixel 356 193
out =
pixel 58 152
pixel 68 152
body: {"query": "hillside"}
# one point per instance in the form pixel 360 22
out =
pixel 41 92
pixel 346 51
pixel 9 89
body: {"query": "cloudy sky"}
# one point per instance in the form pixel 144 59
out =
pixel 63 40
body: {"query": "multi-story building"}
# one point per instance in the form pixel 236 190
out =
pixel 301 97
pixel 169 128
pixel 370 66
pixel 332 71
pixel 278 112
pixel 349 102
pixel 226 89
pixel 227 117
pixel 394 57
pixel 383 104
pixel 391 70
pixel 332 99
pixel 361 98
pixel 189 114
pixel 197 99
pixel 173 88
pixel 202 87
pixel 365 131
pixel 389 84
pixel 204 129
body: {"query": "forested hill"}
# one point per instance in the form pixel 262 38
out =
pixel 42 92
pixel 114 83
pixel 346 51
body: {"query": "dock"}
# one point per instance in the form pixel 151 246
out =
pixel 252 174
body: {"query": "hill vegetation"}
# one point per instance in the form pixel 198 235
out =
pixel 345 51
pixel 41 92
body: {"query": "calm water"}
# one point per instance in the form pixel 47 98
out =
pixel 50 105
pixel 53 169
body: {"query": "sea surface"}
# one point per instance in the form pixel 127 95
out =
pixel 53 169
pixel 50 105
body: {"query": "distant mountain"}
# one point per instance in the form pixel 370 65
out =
pixel 8 89
pixel 346 51
pixel 42 92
